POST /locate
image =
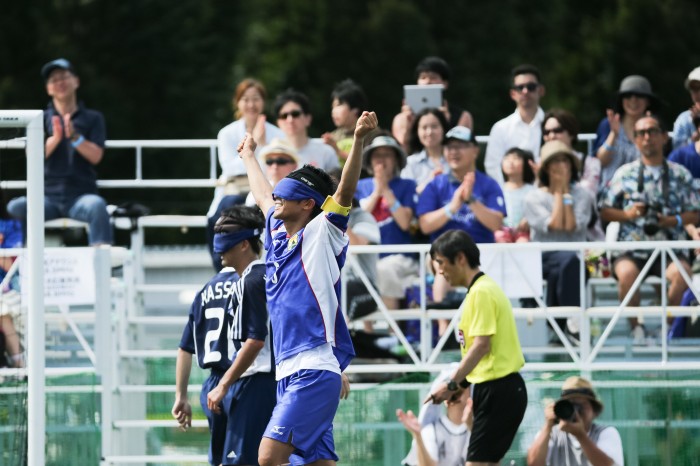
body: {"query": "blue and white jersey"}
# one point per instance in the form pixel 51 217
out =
pixel 303 288
pixel 249 318
pixel 207 329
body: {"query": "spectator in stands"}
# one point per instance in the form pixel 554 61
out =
pixel 559 211
pixel 425 143
pixel 523 128
pixel 280 159
pixel 10 237
pixel 440 436
pixel 430 70
pixel 491 352
pixel 228 331
pixel 74 146
pixel 684 131
pixel 562 125
pixel 464 198
pixel 348 101
pixel 577 440
pixel 391 200
pixel 689 155
pixel 519 181
pixel 615 143
pixel 293 112
pixel 653 200
pixel 249 111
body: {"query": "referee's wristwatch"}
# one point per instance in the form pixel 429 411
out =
pixel 452 386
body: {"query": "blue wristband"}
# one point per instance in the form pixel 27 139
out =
pixel 448 212
pixel 679 220
pixel 395 206
pixel 607 147
pixel 78 141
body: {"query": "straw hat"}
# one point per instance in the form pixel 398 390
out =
pixel 578 386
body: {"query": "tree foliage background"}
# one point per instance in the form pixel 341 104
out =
pixel 162 69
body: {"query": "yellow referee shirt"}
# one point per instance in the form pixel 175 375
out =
pixel 486 311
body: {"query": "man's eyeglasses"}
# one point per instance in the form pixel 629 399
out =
pixel 293 114
pixel 280 161
pixel 640 133
pixel 531 87
pixel 557 130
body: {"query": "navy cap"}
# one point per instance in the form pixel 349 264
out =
pixel 59 63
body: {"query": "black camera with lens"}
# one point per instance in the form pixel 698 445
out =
pixel 566 410
pixel 651 219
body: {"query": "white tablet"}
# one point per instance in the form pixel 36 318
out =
pixel 419 97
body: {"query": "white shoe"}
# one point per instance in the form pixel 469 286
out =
pixel 639 336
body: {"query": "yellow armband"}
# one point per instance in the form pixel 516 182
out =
pixel 329 205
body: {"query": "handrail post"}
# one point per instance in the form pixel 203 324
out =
pixel 139 162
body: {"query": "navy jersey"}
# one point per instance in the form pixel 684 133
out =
pixel 249 318
pixel 303 286
pixel 208 326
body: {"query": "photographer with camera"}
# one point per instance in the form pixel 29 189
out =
pixel 653 200
pixel 569 435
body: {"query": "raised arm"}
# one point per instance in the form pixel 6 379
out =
pixel 259 186
pixel 351 171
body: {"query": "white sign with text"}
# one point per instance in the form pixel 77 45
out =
pixel 69 276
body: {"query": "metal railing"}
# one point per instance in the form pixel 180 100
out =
pixel 141 146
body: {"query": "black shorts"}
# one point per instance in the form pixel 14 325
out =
pixel 499 407
pixel 641 257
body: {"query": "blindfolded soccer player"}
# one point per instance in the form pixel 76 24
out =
pixel 306 245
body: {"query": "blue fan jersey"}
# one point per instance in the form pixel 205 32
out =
pixel 206 334
pixel 303 287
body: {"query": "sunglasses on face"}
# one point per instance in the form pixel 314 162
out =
pixel 280 161
pixel 640 133
pixel 531 87
pixel 557 130
pixel 293 114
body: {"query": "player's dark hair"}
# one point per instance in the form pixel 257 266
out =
pixel 316 179
pixel 242 217
pixel 434 65
pixel 414 143
pixel 292 95
pixel 527 157
pixel 525 69
pixel 350 93
pixel 453 242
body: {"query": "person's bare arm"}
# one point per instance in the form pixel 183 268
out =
pixel 244 358
pixel 88 149
pixel 182 411
pixel 259 186
pixel 490 218
pixel 537 453
pixel 606 151
pixel 351 171
pixel 479 348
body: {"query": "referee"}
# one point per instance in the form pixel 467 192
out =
pixel 491 354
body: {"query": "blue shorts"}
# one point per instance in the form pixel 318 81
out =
pixel 306 404
pixel 247 407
